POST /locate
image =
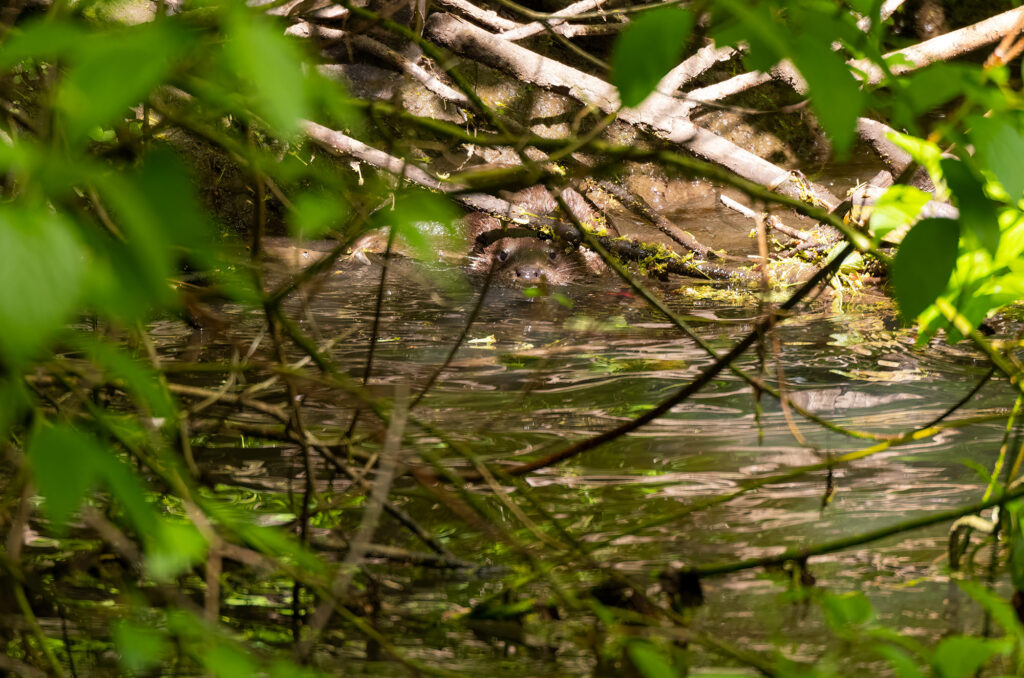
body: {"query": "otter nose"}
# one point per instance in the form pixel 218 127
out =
pixel 529 273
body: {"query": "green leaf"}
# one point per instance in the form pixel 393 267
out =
pixel 902 663
pixel 836 96
pixel 270 66
pixel 649 661
pixel 140 378
pixel 42 267
pixel 994 605
pixel 224 661
pixel 977 213
pixel 286 669
pixel 173 549
pixel 111 71
pixel 422 219
pixel 648 48
pixel 846 610
pixel 316 214
pixel 140 648
pixel 898 207
pixel 756 26
pixel 1017 552
pixel 176 208
pixel 126 488
pixel 65 464
pixel 924 153
pixel 929 88
pixel 999 148
pixel 163 223
pixel 923 264
pixel 961 656
pixel 40 40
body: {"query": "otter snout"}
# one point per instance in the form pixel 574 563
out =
pixel 528 274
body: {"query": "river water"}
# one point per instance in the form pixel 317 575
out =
pixel 537 372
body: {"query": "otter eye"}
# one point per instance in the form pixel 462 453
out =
pixel 552 255
pixel 502 255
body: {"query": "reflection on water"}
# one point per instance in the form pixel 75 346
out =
pixel 538 372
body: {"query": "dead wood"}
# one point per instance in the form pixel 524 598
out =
pixel 664 116
pixel 944 47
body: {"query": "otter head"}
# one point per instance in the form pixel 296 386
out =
pixel 525 261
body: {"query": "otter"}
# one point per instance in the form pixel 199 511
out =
pixel 523 258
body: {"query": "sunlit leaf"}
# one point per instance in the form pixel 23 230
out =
pixel 923 264
pixel 270 66
pixel 977 213
pixel 648 48
pixel 924 153
pixel 42 267
pixel 898 207
pixel 66 464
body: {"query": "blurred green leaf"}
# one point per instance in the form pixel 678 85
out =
pixel 929 88
pixel 270 66
pixel 66 464
pixel 999 147
pixel 139 377
pixel 174 549
pixel 901 662
pixel 164 226
pixel 139 647
pixel 648 48
pixel 286 669
pixel 830 82
pixel 756 26
pixel 847 610
pixel 923 264
pixel 42 267
pixel 316 214
pixel 422 219
pixel 111 71
pixel 224 661
pixel 649 661
pixel 961 656
pixel 126 487
pixel 995 605
pixel 41 40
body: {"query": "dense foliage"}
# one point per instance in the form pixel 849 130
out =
pixel 129 132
